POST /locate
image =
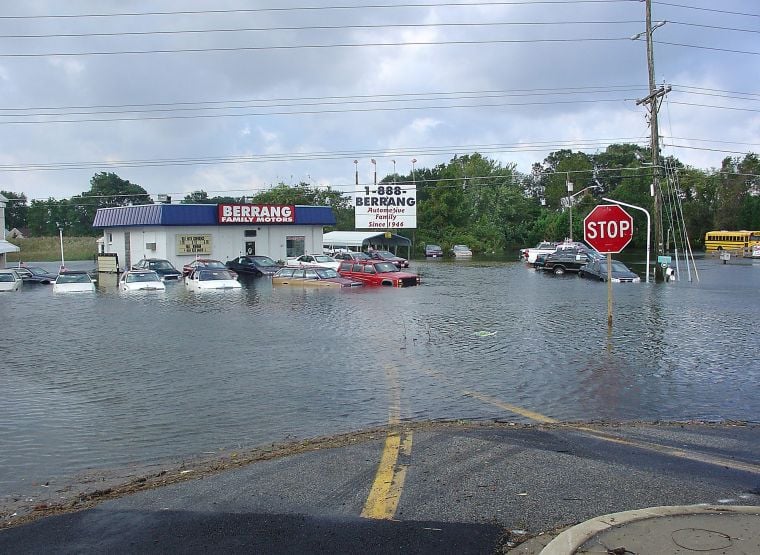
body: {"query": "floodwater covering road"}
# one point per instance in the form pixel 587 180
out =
pixel 96 384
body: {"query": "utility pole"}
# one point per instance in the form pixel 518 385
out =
pixel 653 102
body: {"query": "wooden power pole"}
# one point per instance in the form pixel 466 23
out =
pixel 653 102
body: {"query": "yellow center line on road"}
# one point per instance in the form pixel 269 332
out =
pixel 385 493
pixel 606 436
pixel 512 408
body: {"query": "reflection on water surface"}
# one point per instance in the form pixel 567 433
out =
pixel 105 380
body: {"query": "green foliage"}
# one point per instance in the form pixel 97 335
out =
pixel 16 211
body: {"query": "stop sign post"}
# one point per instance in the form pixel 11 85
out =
pixel 608 228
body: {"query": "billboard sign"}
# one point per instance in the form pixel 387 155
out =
pixel 386 206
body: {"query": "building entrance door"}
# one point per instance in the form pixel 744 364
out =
pixel 250 248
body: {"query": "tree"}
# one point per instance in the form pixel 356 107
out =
pixel 305 194
pixel 16 211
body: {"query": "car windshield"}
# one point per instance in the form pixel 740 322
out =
pixel 264 261
pixel 616 267
pixel 161 265
pixel 323 258
pixel 386 254
pixel 433 248
pixel 142 277
pixel 327 273
pixel 386 267
pixel 211 264
pixel 7 277
pixel 461 248
pixel 211 275
pixel 73 278
pixel 36 270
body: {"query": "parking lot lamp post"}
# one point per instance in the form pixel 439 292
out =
pixel 60 235
pixel 570 205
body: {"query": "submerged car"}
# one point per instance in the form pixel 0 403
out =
pixel 314 260
pixel 35 274
pixel 461 251
pixel 351 255
pixel 188 268
pixel 388 256
pixel 10 281
pixel 73 281
pixel 162 267
pixel 597 270
pixel 433 251
pixel 141 280
pixel 566 260
pixel 377 272
pixel 254 265
pixel 207 279
pixel 312 277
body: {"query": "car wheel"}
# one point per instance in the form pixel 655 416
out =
pixel 558 270
pixel 258 273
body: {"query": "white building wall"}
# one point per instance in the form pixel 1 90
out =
pixel 227 241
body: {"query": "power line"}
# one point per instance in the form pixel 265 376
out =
pixel 714 48
pixel 309 46
pixel 319 28
pixel 317 8
pixel 536 146
pixel 324 111
pixel 713 10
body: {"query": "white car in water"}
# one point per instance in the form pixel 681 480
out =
pixel 72 281
pixel 205 279
pixel 10 281
pixel 321 260
pixel 141 280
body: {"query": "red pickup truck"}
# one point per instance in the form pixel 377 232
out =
pixel 377 272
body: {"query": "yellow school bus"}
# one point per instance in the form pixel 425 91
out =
pixel 731 240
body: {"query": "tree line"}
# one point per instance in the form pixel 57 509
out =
pixel 477 201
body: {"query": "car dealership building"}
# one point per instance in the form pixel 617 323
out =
pixel 181 232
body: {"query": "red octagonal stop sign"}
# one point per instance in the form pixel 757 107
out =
pixel 608 228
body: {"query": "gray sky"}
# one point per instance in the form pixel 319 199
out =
pixel 233 110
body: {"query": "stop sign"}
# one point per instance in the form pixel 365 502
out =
pixel 608 228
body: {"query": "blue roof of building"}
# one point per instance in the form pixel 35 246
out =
pixel 193 215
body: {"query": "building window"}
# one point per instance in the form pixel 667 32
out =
pixel 250 233
pixel 295 246
pixel 110 237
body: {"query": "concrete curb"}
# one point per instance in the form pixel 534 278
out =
pixel 571 539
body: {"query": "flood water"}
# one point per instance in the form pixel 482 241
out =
pixel 105 380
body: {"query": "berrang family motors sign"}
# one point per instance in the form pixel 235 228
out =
pixel 256 213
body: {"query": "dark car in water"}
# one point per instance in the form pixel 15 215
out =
pixel 567 260
pixel 253 265
pixel 165 270
pixel 433 251
pixel 389 257
pixel 597 270
pixel 35 274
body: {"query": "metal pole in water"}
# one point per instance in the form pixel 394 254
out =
pixel 609 292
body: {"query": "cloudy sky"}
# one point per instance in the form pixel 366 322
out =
pixel 232 97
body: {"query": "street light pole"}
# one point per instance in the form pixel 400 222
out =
pixel 60 235
pixel 570 204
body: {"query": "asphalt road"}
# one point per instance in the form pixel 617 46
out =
pixel 436 488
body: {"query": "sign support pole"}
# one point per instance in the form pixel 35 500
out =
pixel 609 292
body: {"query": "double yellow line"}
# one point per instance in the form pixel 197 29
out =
pixel 385 492
pixel 386 489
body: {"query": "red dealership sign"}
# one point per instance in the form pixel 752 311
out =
pixel 608 228
pixel 256 214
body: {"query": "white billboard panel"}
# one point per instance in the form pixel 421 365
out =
pixel 386 206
